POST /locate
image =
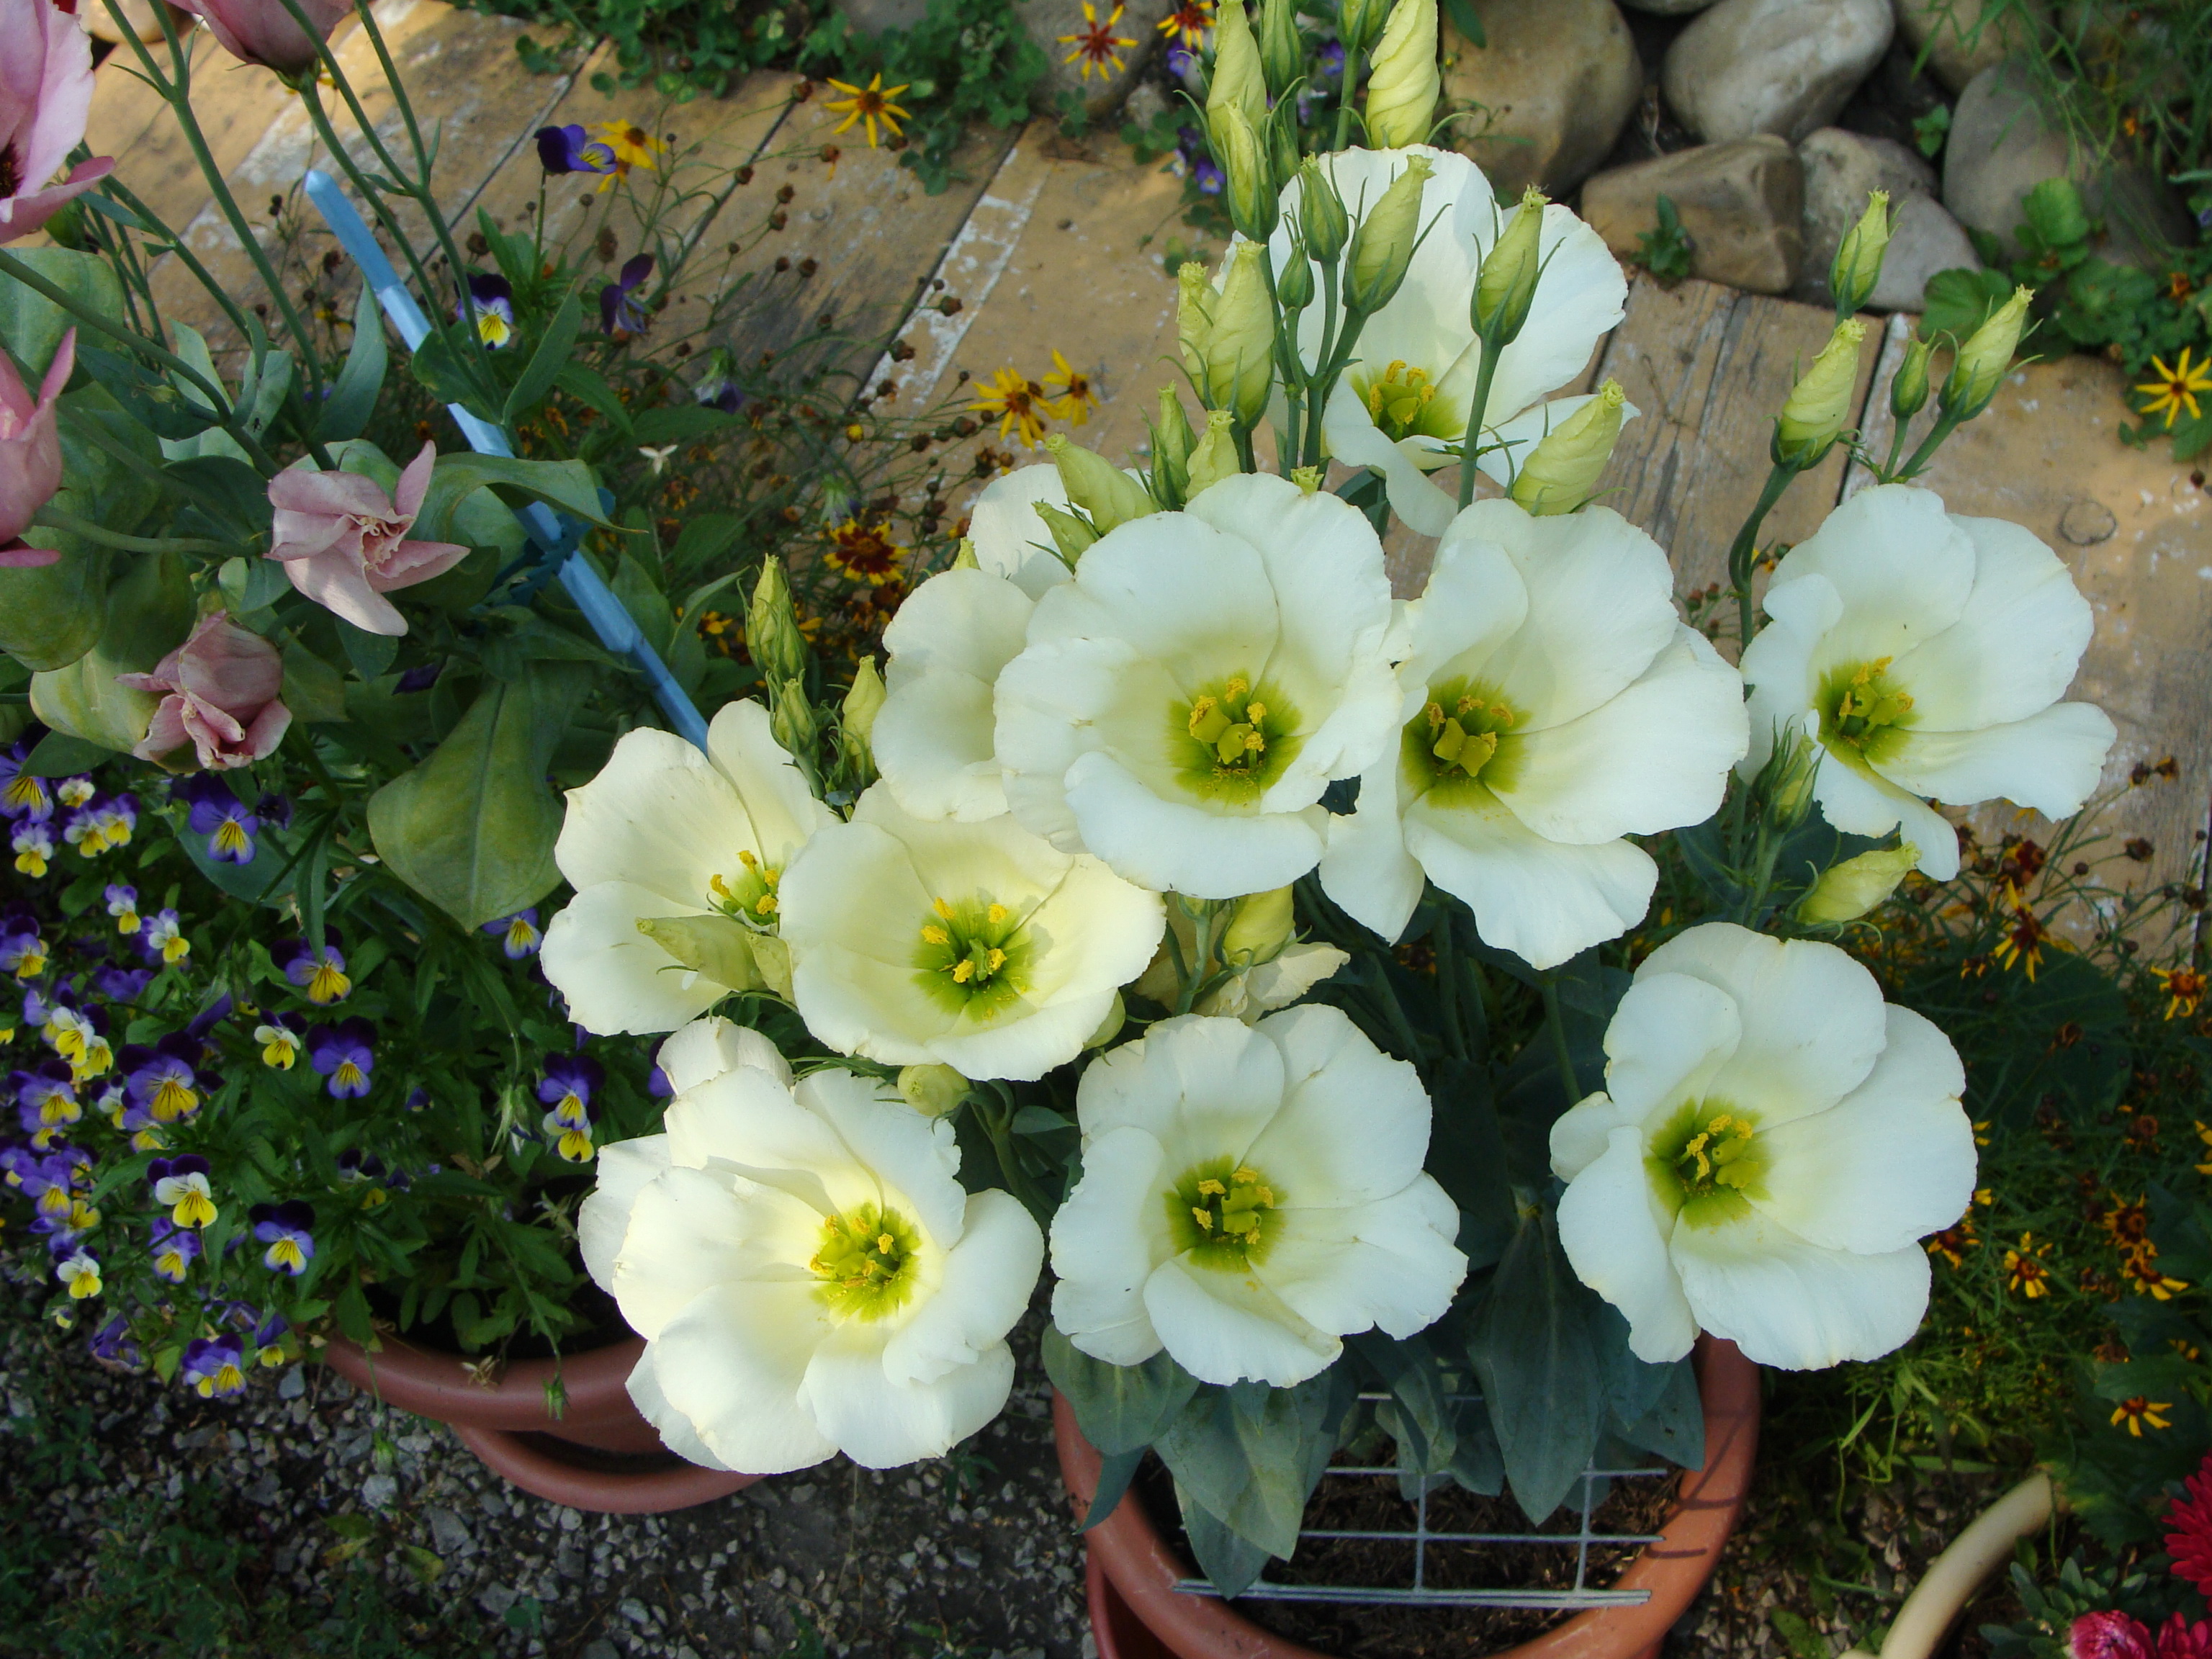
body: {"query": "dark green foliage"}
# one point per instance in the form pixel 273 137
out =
pixel 1665 251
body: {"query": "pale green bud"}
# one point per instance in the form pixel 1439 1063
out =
pixel 1982 361
pixel 1850 889
pixel 932 1089
pixel 1100 489
pixel 862 701
pixel 1814 414
pixel 1280 137
pixel 1307 478
pixel 1383 246
pixel 772 627
pixel 1250 189
pixel 1294 283
pixel 1282 54
pixel 1322 218
pixel 1071 535
pixel 792 720
pixel 965 558
pixel 1238 78
pixel 1239 357
pixel 1258 929
pixel 1908 391
pixel 1172 439
pixel 1194 300
pixel 1506 285
pixel 1784 784
pixel 718 948
pixel 1358 21
pixel 1117 1016
pixel 1402 87
pixel 1562 471
pixel 1214 457
pixel 1857 266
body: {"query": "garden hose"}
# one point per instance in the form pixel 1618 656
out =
pixel 1955 1576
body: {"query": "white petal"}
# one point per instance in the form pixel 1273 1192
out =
pixel 659 815
pixel 1389 1264
pixel 1173 845
pixel 1614 1234
pixel 688 1235
pixel 1901 568
pixel 1581 295
pixel 916 1158
pixel 2050 761
pixel 675 1429
pixel 1061 699
pixel 1202 1088
pixel 1107 1237
pixel 881 1424
pixel 1579 1134
pixel 932 742
pixel 780 811
pixel 613 977
pixel 731 1364
pixel 1281 982
pixel 1861 803
pixel 1354 1123
pixel 1792 1304
pixel 747 1118
pixel 1353 437
pixel 1010 540
pixel 1366 871
pixel 1474 601
pixel 707 1047
pixel 1890 1163
pixel 1229 1328
pixel 1670 1037
pixel 987 1280
pixel 623 1169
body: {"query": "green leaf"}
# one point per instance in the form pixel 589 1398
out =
pixel 1532 1350
pixel 1674 1426
pixel 1467 20
pixel 589 387
pixel 680 423
pixel 548 360
pixel 353 394
pixel 1417 1416
pixel 1468 1156
pixel 31 325
pixel 369 653
pixel 60 756
pixel 1251 1455
pixel 471 829
pixel 1230 1561
pixel 1115 1474
pixel 2055 215
pixel 568 486
pixel 641 595
pixel 1120 1408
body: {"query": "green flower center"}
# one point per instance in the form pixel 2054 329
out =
pixel 865 1265
pixel 1708 1161
pixel 1402 401
pixel 751 893
pixel 1222 1213
pixel 1236 736
pixel 973 958
pixel 1453 740
pixel 1863 714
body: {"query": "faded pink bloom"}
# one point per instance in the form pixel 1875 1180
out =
pixel 344 540
pixel 2180 1639
pixel 45 91
pixel 264 32
pixel 2108 1636
pixel 219 692
pixel 30 453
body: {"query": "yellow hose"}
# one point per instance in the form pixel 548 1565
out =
pixel 1954 1576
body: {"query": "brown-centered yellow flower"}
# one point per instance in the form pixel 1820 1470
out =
pixel 868 105
pixel 2175 389
pixel 1096 44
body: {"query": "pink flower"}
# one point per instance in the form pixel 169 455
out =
pixel 344 540
pixel 220 689
pixel 2189 1530
pixel 2180 1639
pixel 30 453
pixel 2108 1636
pixel 264 32
pixel 45 91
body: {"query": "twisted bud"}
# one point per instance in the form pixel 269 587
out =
pixel 1383 246
pixel 1857 265
pixel 1402 87
pixel 1194 299
pixel 1239 81
pixel 1321 219
pixel 772 633
pixel 1172 441
pixel 1214 457
pixel 1562 471
pixel 1813 416
pixel 1848 891
pixel 1980 367
pixel 1100 489
pixel 1908 388
pixel 1240 355
pixel 1282 53
pixel 1505 287
pixel 1250 189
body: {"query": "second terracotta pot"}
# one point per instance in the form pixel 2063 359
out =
pixel 599 1455
pixel 1137 1611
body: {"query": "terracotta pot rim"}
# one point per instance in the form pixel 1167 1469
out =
pixel 433 1383
pixel 646 1492
pixel 1142 1569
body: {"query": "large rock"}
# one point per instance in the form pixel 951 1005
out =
pixel 1960 41
pixel 1841 168
pixel 1742 204
pixel 1777 66
pixel 1556 84
pixel 1669 8
pixel 2003 145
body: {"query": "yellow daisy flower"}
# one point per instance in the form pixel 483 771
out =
pixel 869 104
pixel 1097 44
pixel 2176 388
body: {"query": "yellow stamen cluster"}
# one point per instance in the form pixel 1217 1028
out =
pixel 1866 707
pixel 1457 746
pixel 1397 401
pixel 758 899
pixel 1230 725
pixel 1233 1210
pixel 863 1261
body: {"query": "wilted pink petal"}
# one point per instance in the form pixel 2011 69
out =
pixel 30 440
pixel 46 93
pixel 18 555
pixel 343 542
pixel 219 693
pixel 2108 1636
pixel 265 31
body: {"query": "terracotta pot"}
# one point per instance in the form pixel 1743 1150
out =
pixel 1136 1613
pixel 599 1455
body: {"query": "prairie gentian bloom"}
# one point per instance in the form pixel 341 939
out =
pixel 219 693
pixel 1743 1171
pixel 162 939
pixel 80 1270
pixel 343 542
pixel 122 905
pixel 46 93
pixel 33 843
pixel 46 1100
pixel 571 149
pixel 322 975
pixel 162 1078
pixel 214 1365
pixel 264 32
pixel 22 795
pixel 175 1249
pixel 112 1342
pixel 618 313
pixel 492 299
pixel 227 822
pixel 518 934
pixel 1924 654
pixel 182 1183
pixel 286 1230
pixel 344 1053
pixel 854 1299
pixel 1251 1194
pixel 280 1038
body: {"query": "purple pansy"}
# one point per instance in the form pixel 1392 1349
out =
pixel 618 313
pixel 46 1100
pixel 422 676
pixel 213 1366
pixel 175 1249
pixel 493 299
pixel 345 1053
pixel 286 1229
pixel 567 1087
pixel 163 1078
pixel 122 900
pixel 321 975
pixel 228 822
pixel 121 984
pixel 111 1343
pixel 21 795
pixel 571 149
pixel 519 934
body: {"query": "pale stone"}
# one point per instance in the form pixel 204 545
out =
pixel 1923 240
pixel 1104 89
pixel 1669 8
pixel 1741 204
pixel 2001 146
pixel 1549 93
pixel 1778 66
pixel 1841 168
pixel 1958 43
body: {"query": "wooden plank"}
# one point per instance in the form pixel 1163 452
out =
pixel 2136 529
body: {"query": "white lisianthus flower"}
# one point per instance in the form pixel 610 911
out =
pixel 1406 401
pixel 1772 1145
pixel 932 736
pixel 1250 1196
pixel 1926 654
pixel 1183 701
pixel 1553 704
pixel 973 946
pixel 685 843
pixel 808 1275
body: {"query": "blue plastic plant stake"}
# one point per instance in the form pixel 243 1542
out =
pixel 617 629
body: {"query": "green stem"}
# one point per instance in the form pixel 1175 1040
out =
pixel 1344 96
pixel 54 519
pixel 1946 424
pixel 1316 388
pixel 1471 445
pixel 1323 386
pixel 1741 551
pixel 1447 955
pixel 1562 1055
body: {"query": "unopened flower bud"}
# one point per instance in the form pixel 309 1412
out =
pixel 1258 929
pixel 1117 1016
pixel 1383 246
pixel 1294 283
pixel 1358 21
pixel 1280 137
pixel 1307 478
pixel 1908 389
pixel 1322 218
pixel 1071 535
pixel 1857 266
pixel 1506 285
pixel 1402 87
pixel 1239 357
pixel 932 1089
pixel 1814 414
pixel 1214 457
pixel 792 720
pixel 772 626
pixel 1249 190
pixel 1282 53
pixel 1100 489
pixel 1784 784
pixel 1848 891
pixel 1981 364
pixel 858 712
pixel 1238 78
pixel 964 558
pixel 718 948
pixel 1194 301
pixel 1172 439
pixel 1562 471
